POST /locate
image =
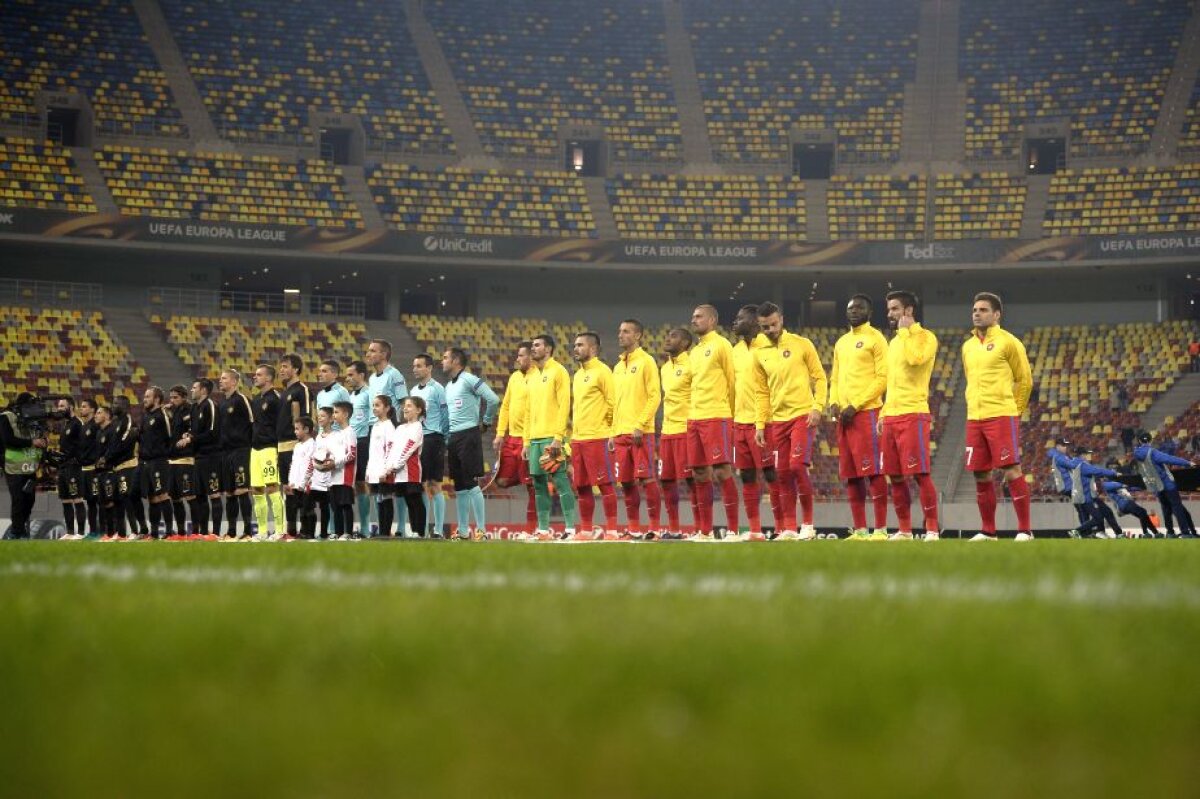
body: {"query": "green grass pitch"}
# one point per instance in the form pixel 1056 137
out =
pixel 608 670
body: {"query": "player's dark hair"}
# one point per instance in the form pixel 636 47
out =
pixel 864 298
pixel 768 308
pixel 425 358
pixel 907 299
pixel 306 422
pixel 205 384
pixel 750 309
pixel 991 299
pixel 637 325
pixel 270 369
pixel 460 355
pixel 358 366
pixel 90 402
pixel 179 390
pixel 525 345
pixel 293 359
pixel 157 392
pixel 684 334
pixel 593 335
pixel 332 364
pixel 546 339
pixel 70 402
pixel 342 405
pixel 387 403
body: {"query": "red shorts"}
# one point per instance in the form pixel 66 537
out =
pixel 673 461
pixel 858 446
pixel 513 466
pixel 747 454
pixel 906 444
pixel 791 443
pixel 710 441
pixel 634 462
pixel 591 463
pixel 993 443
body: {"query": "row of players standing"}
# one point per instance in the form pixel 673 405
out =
pixel 755 408
pixel 221 456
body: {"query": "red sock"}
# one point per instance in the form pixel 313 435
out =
pixel 1018 489
pixel 786 482
pixel 856 492
pixel 671 489
pixel 531 510
pixel 804 491
pixel 729 498
pixel 704 499
pixel 633 506
pixel 751 494
pixel 587 507
pixel 902 499
pixel 877 488
pixel 985 498
pixel 608 499
pixel 694 497
pixel 773 493
pixel 929 501
pixel 654 504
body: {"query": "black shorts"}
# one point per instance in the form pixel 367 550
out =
pixel 70 482
pixel 183 481
pixel 433 458
pixel 465 450
pixel 235 470
pixel 92 488
pixel 108 487
pixel 341 495
pixel 208 474
pixel 125 483
pixel 285 467
pixel 156 478
pixel 360 462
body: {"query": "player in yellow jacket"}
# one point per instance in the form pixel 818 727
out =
pixel 674 465
pixel 546 430
pixel 999 381
pixel 591 433
pixel 904 419
pixel 510 430
pixel 638 394
pixel 856 385
pixel 749 458
pixel 710 421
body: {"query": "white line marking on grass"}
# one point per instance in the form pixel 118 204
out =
pixel 1102 591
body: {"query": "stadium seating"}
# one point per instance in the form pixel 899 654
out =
pixel 1181 429
pixel 206 344
pixel 44 176
pixel 981 206
pixel 1102 64
pixel 1125 200
pixel 261 66
pixel 693 207
pixel 96 47
pixel 1189 140
pixel 1076 371
pixel 876 208
pixel 487 202
pixel 227 187
pixel 813 64
pixel 64 351
pixel 526 68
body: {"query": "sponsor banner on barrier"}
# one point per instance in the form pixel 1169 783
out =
pixel 114 227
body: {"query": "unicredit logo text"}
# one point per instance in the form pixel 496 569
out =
pixel 462 244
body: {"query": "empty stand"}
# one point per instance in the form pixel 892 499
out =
pixel 1103 65
pixel 41 175
pixel 527 68
pixel 485 202
pixel 768 67
pixel 1126 200
pixel 687 207
pixel 96 47
pixel 988 205
pixel 64 351
pixel 876 208
pixel 260 66
pixel 227 187
pixel 208 344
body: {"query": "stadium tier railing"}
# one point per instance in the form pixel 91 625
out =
pixel 177 300
pixel 50 293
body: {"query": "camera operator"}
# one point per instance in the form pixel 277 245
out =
pixel 22 455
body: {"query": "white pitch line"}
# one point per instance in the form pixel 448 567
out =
pixel 1082 591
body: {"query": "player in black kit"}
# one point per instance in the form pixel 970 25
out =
pixel 155 448
pixel 89 451
pixel 295 403
pixel 122 458
pixel 70 474
pixel 204 438
pixel 237 433
pixel 181 463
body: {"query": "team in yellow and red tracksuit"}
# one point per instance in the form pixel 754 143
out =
pixel 675 377
pixel 591 430
pixel 638 393
pixel 510 431
pixel 710 421
pixel 749 458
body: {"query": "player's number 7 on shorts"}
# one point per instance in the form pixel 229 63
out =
pixel 970 454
